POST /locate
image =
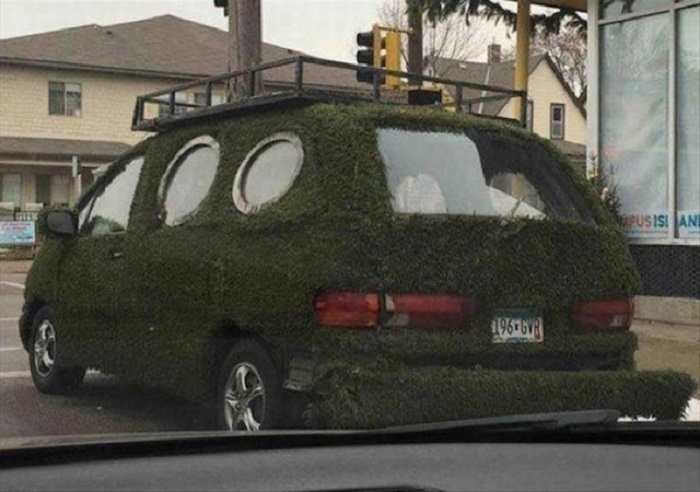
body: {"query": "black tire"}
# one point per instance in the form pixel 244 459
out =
pixel 251 363
pixel 50 373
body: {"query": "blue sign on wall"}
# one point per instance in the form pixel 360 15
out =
pixel 17 233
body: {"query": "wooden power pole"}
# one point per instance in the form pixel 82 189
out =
pixel 415 40
pixel 245 50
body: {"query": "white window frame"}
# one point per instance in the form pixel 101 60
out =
pixel 553 123
pixel 593 122
pixel 65 85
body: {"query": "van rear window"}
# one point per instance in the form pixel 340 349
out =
pixel 483 174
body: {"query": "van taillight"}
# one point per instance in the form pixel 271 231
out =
pixel 393 310
pixel 429 311
pixel 604 315
pixel 347 309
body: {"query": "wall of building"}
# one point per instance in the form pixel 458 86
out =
pixel 107 104
pixel 544 88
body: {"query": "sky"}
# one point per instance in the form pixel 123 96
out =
pixel 324 28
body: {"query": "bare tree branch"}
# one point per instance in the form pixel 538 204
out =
pixel 568 51
pixel 450 37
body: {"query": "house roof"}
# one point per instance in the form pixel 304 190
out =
pixel 164 46
pixel 94 150
pixel 499 74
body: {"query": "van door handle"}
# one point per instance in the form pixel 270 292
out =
pixel 117 255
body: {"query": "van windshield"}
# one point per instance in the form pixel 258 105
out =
pixel 482 173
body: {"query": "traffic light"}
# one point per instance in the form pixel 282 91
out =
pixel 393 57
pixel 380 52
pixel 222 3
pixel 371 45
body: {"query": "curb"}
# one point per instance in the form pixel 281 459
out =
pixel 667 310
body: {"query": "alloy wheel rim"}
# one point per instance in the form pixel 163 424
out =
pixel 244 398
pixel 45 348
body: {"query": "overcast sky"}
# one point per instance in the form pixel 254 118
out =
pixel 324 28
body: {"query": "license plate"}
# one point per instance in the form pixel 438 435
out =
pixel 516 326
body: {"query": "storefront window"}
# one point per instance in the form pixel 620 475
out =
pixel 688 123
pixel 615 8
pixel 634 120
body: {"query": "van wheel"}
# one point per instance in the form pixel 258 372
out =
pixel 49 373
pixel 249 392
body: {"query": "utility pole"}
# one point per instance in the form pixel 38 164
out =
pixel 415 40
pixel 245 49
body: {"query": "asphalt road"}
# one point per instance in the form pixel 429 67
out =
pixel 103 405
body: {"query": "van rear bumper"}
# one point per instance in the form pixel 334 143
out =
pixel 355 396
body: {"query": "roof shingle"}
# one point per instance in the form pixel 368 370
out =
pixel 166 45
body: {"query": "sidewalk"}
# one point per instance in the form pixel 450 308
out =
pixel 668 346
pixel 667 310
pixel 10 266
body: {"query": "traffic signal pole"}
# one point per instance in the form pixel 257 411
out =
pixel 415 40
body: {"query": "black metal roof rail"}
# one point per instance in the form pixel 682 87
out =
pixel 172 112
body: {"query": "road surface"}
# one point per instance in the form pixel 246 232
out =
pixel 102 405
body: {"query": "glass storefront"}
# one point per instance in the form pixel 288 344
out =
pixel 649 117
pixel 688 123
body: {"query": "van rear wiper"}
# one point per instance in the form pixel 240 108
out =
pixel 555 421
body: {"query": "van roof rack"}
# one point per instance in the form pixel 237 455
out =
pixel 174 111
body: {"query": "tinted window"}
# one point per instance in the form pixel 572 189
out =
pixel 268 172
pixel 110 211
pixel 487 175
pixel 188 180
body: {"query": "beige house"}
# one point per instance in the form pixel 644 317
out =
pixel 70 94
pixel 554 111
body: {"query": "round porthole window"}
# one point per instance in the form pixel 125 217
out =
pixel 268 172
pixel 188 179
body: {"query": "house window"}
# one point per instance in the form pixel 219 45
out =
pixel 530 115
pixel 556 122
pixel 10 190
pixel 60 189
pixel 164 108
pixel 42 189
pixel 52 189
pixel 217 98
pixel 65 99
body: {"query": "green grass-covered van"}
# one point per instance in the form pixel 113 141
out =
pixel 264 261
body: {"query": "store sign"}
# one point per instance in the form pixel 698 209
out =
pixel 17 233
pixel 689 224
pixel 658 224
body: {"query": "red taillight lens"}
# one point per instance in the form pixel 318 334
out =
pixel 358 310
pixel 604 315
pixel 429 311
pixel 347 309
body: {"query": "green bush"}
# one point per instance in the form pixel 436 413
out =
pixel 353 396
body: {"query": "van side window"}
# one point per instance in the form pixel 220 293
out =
pixel 268 172
pixel 188 180
pixel 111 206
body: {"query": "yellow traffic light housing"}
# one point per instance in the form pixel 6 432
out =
pixel 380 52
pixel 393 58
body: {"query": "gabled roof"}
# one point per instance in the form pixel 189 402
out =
pixel 499 74
pixel 164 46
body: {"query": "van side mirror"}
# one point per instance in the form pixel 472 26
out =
pixel 61 223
